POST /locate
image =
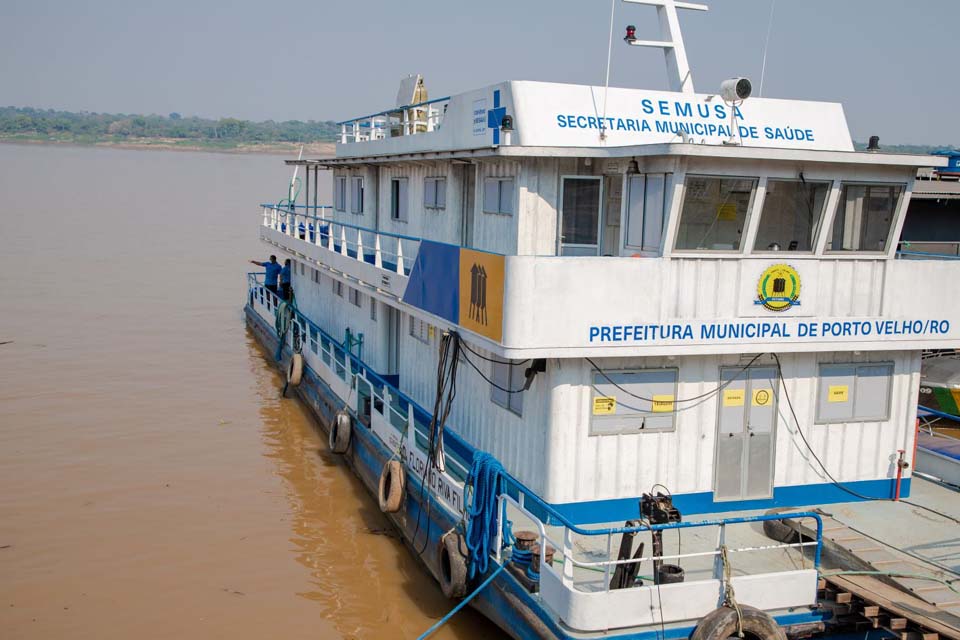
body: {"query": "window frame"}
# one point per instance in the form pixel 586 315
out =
pixel 340 194
pixel 513 196
pixel 747 222
pixel 854 418
pixel 821 223
pixel 337 287
pixel 356 195
pixel 514 401
pixel 840 185
pixel 434 203
pixel 419 330
pixel 355 296
pixel 399 199
pixel 627 218
pixel 630 429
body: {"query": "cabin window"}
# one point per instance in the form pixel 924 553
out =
pixel 337 287
pixel 356 298
pixel 714 214
pixel 646 211
pixel 340 193
pixel 435 193
pixel 420 330
pixel 854 392
pixel 636 401
pixel 356 195
pixel 316 275
pixel 498 195
pixel 865 217
pixel 313 339
pixel 508 380
pixel 791 215
pixel 580 216
pixel 373 308
pixel 398 199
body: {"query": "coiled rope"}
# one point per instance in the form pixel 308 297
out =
pixel 484 484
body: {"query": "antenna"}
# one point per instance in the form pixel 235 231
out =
pixel 766 43
pixel 678 69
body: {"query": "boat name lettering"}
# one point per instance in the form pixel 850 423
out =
pixel 766 329
pixel 436 482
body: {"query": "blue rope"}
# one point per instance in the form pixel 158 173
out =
pixel 462 604
pixel 521 558
pixel 485 480
pixel 533 575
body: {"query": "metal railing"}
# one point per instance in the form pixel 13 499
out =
pixel 397 408
pixel 565 547
pixel 408 120
pixel 389 251
pixel 925 250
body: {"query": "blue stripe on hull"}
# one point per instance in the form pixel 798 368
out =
pixel 621 509
pixel 506 602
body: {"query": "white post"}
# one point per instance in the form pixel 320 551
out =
pixel 400 269
pixel 567 558
pixel 330 244
pixel 377 257
pixel 343 241
pixel 359 246
pixel 343 134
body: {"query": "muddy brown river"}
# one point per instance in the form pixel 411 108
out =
pixel 153 484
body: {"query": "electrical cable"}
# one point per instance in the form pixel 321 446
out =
pixel 702 395
pixel 834 481
pixel 483 357
pixel 491 382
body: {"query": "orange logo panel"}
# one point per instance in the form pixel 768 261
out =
pixel 481 293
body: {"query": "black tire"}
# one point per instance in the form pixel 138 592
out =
pixel 340 428
pixel 452 565
pixel 295 370
pixel 392 487
pixel 722 623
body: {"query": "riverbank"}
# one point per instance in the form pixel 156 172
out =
pixel 175 144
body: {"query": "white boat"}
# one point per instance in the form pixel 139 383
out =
pixel 662 312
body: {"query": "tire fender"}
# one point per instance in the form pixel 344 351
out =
pixel 722 623
pixel 452 564
pixel 393 485
pixel 295 370
pixel 340 428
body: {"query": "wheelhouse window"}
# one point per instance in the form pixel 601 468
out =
pixel 508 380
pixel 854 392
pixel 714 214
pixel 864 217
pixel 498 195
pixel 791 215
pixel 340 193
pixel 398 199
pixel 356 195
pixel 435 193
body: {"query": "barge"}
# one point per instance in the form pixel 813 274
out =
pixel 583 342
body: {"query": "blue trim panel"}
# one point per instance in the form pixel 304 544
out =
pixel 692 503
pixel 434 284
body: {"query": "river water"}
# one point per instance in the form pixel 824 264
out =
pixel 153 483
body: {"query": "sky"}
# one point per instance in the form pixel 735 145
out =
pixel 892 63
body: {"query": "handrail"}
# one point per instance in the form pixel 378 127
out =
pixel 389 234
pixel 937 256
pixel 395 110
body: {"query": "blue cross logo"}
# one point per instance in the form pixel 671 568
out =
pixel 495 117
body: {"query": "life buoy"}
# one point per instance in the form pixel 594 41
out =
pixel 452 562
pixel 339 436
pixel 723 623
pixel 295 370
pixel 393 484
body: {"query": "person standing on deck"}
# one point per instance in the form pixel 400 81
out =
pixel 272 269
pixel 285 280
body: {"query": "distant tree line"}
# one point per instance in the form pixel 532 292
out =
pixel 26 121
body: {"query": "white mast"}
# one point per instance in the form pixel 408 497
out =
pixel 678 70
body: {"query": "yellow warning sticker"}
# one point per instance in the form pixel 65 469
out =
pixel 604 406
pixel 733 397
pixel 727 212
pixel 662 404
pixel 838 393
pixel 762 397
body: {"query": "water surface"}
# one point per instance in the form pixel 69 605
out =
pixel 152 482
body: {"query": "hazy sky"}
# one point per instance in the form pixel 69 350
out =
pixel 892 63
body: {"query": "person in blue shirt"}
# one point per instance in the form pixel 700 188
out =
pixel 285 280
pixel 272 269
